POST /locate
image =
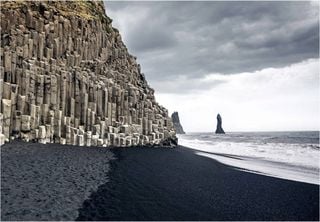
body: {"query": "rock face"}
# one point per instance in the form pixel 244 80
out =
pixel 67 77
pixel 176 123
pixel 219 129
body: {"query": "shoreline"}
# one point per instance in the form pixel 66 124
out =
pixel 146 184
pixel 153 184
pixel 292 156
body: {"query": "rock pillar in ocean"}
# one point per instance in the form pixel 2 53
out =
pixel 176 123
pixel 219 129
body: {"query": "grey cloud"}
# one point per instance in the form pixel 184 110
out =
pixel 194 39
pixel 187 86
pixel 151 39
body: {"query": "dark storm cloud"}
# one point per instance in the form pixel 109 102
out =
pixel 151 39
pixel 193 39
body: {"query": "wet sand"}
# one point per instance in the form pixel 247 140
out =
pixel 55 182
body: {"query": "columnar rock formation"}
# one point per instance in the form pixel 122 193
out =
pixel 67 77
pixel 219 129
pixel 176 123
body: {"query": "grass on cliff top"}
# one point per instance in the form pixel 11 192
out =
pixel 80 8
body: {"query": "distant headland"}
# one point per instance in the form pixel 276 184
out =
pixel 176 123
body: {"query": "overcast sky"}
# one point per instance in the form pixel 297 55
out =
pixel 255 63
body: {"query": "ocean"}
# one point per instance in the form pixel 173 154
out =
pixel 288 155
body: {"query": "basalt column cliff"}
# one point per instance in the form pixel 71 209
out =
pixel 67 77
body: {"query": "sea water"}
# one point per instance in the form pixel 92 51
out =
pixel 288 155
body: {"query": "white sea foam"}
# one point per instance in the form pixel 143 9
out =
pixel 293 161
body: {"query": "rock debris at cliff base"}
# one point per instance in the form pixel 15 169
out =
pixel 67 77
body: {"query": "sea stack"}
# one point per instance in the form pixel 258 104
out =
pixel 219 129
pixel 176 123
pixel 67 77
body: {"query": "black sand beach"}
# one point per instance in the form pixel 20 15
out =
pixel 49 182
pixel 176 184
pixel 144 184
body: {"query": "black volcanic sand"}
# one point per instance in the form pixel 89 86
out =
pixel 49 182
pixel 176 184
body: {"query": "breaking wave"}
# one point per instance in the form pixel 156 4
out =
pixel 288 155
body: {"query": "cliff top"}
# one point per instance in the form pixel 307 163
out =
pixel 80 8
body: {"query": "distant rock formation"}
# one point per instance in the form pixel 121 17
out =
pixel 67 77
pixel 176 123
pixel 219 129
